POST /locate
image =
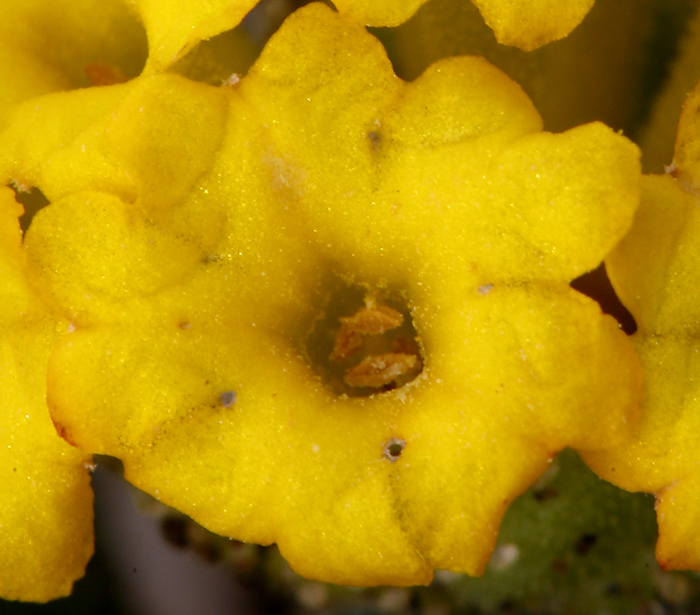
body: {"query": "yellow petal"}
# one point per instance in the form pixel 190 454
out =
pixel 655 271
pixel 117 274
pixel 222 59
pixel 46 500
pixel 204 266
pixel 47 45
pixel 529 24
pixel 41 144
pixel 652 268
pixel 596 73
pixel 175 26
pixel 677 513
pixel 413 142
pixel 578 190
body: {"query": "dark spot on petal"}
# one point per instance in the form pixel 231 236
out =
pixel 375 138
pixel 227 399
pixel 393 449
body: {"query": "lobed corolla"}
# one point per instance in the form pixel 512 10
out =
pixel 241 212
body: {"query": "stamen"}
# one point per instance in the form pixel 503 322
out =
pixel 375 319
pixel 361 346
pixel 378 371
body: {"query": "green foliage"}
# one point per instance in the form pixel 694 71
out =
pixel 584 547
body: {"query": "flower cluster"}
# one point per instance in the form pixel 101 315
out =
pixel 321 306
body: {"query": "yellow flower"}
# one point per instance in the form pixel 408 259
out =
pixel 176 26
pixel 527 24
pixel 597 72
pixel 45 496
pixel 326 308
pixel 655 272
pixel 49 46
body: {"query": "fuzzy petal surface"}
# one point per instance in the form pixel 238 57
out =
pixel 655 272
pixel 205 244
pixel 46 535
